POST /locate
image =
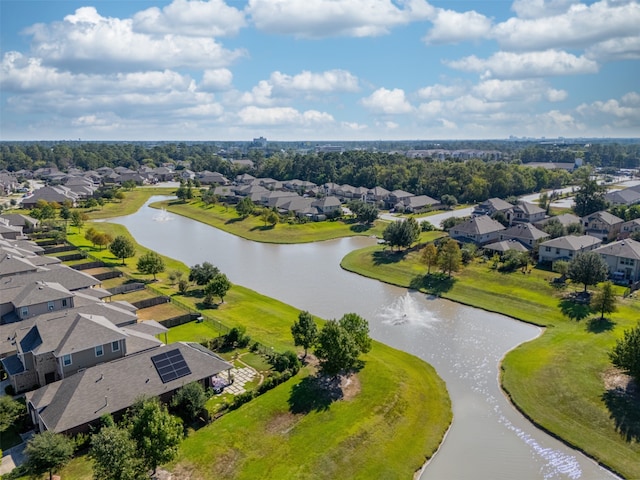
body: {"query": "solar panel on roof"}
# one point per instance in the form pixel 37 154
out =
pixel 170 365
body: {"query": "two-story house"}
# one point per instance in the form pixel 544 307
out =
pixel 525 212
pixel 622 258
pixel 491 206
pixel 603 225
pixel 524 233
pixel 567 247
pixel 480 230
pixel 34 298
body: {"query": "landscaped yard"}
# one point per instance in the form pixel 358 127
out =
pixel 560 380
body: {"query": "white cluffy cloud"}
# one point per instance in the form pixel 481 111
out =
pixel 330 18
pixel 282 116
pixel 391 102
pixel 328 81
pixel 87 41
pixel 526 65
pixel 191 18
pixel 450 26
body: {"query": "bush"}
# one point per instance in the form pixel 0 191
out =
pixel 427 226
pixel 241 399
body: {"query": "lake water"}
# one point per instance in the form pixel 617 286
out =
pixel 488 439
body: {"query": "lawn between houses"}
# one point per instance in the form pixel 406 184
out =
pixel 562 380
pixel 287 433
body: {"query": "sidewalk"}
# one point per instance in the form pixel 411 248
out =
pixel 15 455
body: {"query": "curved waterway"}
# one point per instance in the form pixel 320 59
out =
pixel 488 439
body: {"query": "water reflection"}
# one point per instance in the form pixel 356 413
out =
pixel 488 438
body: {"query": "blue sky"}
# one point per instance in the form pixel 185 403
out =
pixel 318 69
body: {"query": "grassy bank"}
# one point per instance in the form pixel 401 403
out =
pixel 253 228
pixel 388 429
pixel 563 380
pixel 132 202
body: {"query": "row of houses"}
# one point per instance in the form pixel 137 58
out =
pixel 76 352
pixel 604 233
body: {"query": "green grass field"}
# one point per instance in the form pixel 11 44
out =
pixel 560 380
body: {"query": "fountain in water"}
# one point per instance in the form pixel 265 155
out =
pixel 162 216
pixel 406 310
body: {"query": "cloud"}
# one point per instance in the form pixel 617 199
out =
pixel 328 81
pixel 331 18
pixel 387 102
pixel 354 126
pixel 541 8
pixel 626 48
pixel 454 27
pixel 216 80
pixel 624 112
pixel 495 90
pixel 86 41
pixel 213 18
pixel 579 27
pixel 282 116
pixel 526 65
pixel 440 91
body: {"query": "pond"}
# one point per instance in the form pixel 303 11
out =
pixel 488 439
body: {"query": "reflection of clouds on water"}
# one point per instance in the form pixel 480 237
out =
pixel 406 310
pixel 162 216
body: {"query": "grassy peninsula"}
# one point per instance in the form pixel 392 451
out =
pixel 253 228
pixel 563 381
pixel 393 423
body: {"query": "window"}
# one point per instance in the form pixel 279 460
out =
pixel 66 360
pixel 99 351
pixel 115 346
pixel 547 249
pixel 50 305
pixel 64 302
pixel 25 311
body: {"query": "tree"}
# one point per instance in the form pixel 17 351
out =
pixel 358 329
pixel 604 301
pixel 218 287
pixel 156 432
pixel 46 452
pixel 626 353
pixel 365 212
pixel 587 268
pixel 122 248
pixel 102 239
pixel 336 349
pixel 401 234
pixel 341 342
pixel 189 401
pixel 245 207
pixel 590 197
pixel 273 218
pixel 90 235
pixel 448 201
pixel 181 192
pixel 10 411
pixel 115 456
pixel 203 274
pixel 554 228
pixel 78 219
pixel 450 257
pixel 304 331
pixel 151 263
pixel 183 286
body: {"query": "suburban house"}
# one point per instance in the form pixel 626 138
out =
pixel 212 178
pixel 397 198
pixel 626 196
pixel 491 206
pixel 480 230
pixel 504 246
pixel 327 204
pixel 77 402
pixel 57 347
pixel 627 228
pixel 525 212
pixel 525 233
pixel 35 298
pixel 623 259
pixel 377 195
pixel 603 225
pixel 27 223
pixel 58 194
pixel 419 203
pixel 567 247
pixel 565 220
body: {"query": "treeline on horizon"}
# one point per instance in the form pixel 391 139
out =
pixel 467 180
